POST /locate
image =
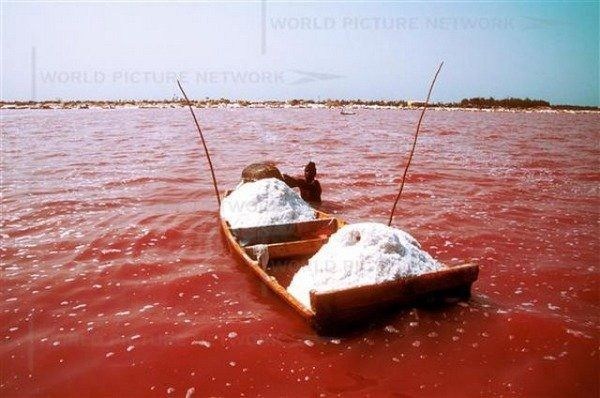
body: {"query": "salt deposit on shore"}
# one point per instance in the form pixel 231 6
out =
pixel 264 202
pixel 358 255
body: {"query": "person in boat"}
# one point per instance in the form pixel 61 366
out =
pixel 310 189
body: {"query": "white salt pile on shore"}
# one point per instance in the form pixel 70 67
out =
pixel 264 202
pixel 358 255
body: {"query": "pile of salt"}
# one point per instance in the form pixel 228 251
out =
pixel 358 255
pixel 264 202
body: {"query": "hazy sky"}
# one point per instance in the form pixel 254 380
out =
pixel 267 50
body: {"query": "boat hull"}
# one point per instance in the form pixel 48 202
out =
pixel 335 311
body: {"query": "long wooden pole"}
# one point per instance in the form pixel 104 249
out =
pixel 412 151
pixel 212 172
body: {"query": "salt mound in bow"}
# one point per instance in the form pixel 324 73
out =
pixel 358 255
pixel 264 202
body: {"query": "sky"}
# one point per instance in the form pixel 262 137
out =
pixel 314 50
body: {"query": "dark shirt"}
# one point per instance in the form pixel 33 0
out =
pixel 310 191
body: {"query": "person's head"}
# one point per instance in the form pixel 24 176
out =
pixel 310 171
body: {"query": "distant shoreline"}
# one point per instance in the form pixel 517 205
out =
pixel 298 104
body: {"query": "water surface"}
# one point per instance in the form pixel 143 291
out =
pixel 116 281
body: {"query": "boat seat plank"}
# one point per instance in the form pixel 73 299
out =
pixel 285 232
pixel 291 249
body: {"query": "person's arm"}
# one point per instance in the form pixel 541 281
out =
pixel 318 190
pixel 290 181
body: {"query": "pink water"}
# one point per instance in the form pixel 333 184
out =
pixel 116 282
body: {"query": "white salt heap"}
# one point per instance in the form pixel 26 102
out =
pixel 264 202
pixel 358 255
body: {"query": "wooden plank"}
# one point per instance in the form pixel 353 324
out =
pixel 285 232
pixel 292 249
pixel 355 304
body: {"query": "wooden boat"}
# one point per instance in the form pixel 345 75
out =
pixel 274 253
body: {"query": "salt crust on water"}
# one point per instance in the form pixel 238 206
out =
pixel 264 202
pixel 361 254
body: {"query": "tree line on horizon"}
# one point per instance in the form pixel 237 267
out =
pixel 475 102
pixel 491 102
